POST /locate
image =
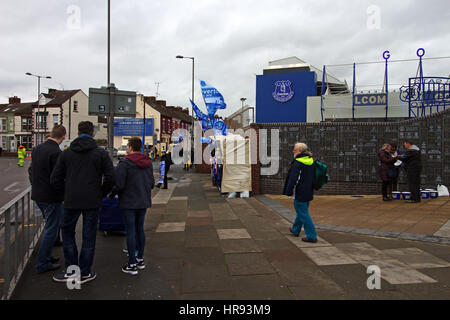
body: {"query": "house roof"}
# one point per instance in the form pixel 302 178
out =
pixel 168 111
pixel 59 96
pixel 17 108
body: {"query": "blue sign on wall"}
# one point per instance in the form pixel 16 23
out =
pixel 282 97
pixel 133 127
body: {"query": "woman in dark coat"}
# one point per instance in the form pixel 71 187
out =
pixel 386 171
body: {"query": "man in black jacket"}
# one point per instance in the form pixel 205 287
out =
pixel 86 173
pixel 413 165
pixel 301 177
pixel 134 184
pixel 48 199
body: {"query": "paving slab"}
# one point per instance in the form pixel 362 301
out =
pixel 228 224
pixel 199 213
pixel 416 258
pixel 201 278
pixel 285 255
pixel 233 234
pixel 248 264
pixel 260 287
pixel 326 256
pixel 362 251
pixel 239 246
pixel 171 227
pixel 396 272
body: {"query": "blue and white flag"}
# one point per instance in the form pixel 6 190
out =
pixel 213 98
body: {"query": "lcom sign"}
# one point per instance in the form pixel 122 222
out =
pixel 370 99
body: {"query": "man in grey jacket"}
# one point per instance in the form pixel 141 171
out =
pixel 413 165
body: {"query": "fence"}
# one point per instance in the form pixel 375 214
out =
pixel 350 150
pixel 21 225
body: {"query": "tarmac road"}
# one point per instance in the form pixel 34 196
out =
pixel 13 179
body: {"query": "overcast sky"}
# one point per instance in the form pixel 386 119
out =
pixel 231 40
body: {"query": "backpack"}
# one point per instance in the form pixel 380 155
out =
pixel 320 175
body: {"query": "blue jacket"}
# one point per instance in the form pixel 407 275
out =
pixel 134 182
pixel 300 177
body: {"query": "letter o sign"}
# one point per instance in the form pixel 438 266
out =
pixel 420 52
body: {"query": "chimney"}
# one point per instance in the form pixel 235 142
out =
pixel 162 103
pixel 150 99
pixel 14 100
pixel 52 91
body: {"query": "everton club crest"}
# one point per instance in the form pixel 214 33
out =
pixel 283 91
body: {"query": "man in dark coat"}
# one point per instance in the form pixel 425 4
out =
pixel 134 184
pixel 48 199
pixel 413 165
pixel 300 178
pixel 86 173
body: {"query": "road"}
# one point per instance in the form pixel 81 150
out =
pixel 13 180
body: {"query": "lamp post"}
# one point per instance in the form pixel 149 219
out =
pixel 242 111
pixel 39 90
pixel 192 58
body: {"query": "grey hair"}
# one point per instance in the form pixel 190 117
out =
pixel 385 146
pixel 302 147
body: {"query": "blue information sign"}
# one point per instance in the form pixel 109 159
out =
pixel 133 127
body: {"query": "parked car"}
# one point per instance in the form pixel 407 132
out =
pixel 115 151
pixel 122 152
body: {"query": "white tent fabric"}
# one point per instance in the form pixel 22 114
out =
pixel 234 153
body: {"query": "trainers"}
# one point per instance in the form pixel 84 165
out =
pixel 130 269
pixel 61 277
pixel 91 276
pixel 140 264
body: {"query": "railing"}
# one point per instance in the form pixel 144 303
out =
pixel 21 225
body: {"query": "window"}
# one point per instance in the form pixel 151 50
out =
pixel 163 127
pixel 26 124
pixel 55 119
pixel 75 106
pixel 25 141
pixel 3 124
pixel 41 120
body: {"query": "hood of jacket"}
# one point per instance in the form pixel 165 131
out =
pixel 139 159
pixel 414 147
pixel 305 159
pixel 83 144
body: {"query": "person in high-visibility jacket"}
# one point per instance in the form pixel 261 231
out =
pixel 21 153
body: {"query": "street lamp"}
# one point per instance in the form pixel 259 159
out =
pixel 192 58
pixel 242 111
pixel 39 90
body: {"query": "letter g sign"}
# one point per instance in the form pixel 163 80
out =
pixel 386 55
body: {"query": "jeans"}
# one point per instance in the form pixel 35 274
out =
pixel 134 225
pixel 53 214
pixel 386 189
pixel 303 219
pixel 90 221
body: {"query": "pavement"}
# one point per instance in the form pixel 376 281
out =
pixel 202 246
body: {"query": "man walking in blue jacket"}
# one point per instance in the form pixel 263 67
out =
pixel 300 178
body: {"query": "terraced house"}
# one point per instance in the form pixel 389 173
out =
pixel 15 124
